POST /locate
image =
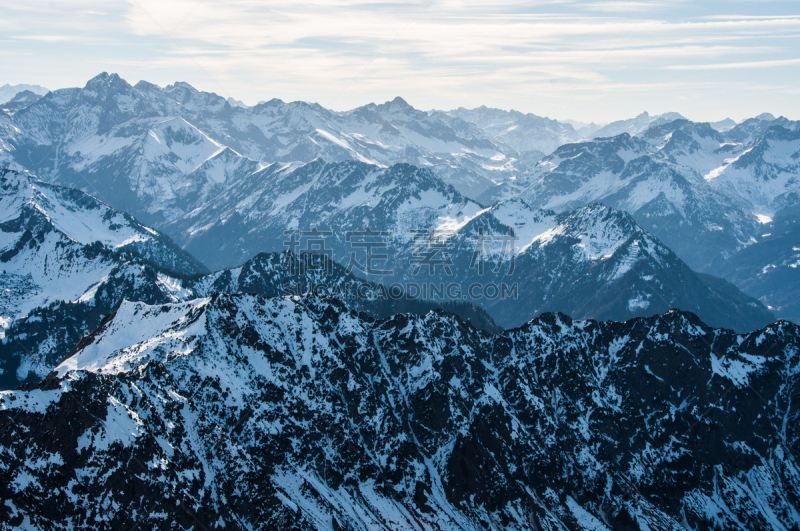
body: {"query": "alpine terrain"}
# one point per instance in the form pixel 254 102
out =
pixel 236 411
pixel 286 317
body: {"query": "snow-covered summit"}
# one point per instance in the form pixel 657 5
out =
pixel 635 126
pixel 7 91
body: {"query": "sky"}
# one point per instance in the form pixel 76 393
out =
pixel 600 60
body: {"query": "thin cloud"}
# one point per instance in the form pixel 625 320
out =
pixel 738 65
pixel 43 38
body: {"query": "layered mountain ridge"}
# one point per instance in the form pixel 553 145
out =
pixel 70 259
pixel 598 263
pixel 415 320
pixel 237 411
pixel 593 262
pixel 706 194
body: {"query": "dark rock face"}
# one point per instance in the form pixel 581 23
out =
pixel 770 268
pixel 44 337
pixel 240 412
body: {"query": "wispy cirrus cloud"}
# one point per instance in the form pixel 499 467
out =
pixel 739 65
pixel 556 57
pixel 44 38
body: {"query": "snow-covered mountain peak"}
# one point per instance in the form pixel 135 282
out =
pixel 622 146
pixel 599 231
pixel 7 91
pixel 723 125
pixel 104 86
pixel 175 141
pixel 412 178
pixel 509 215
pixel 397 104
pixel 136 334
pixel 19 101
pixel 195 100
pixel 181 85
pixel 168 330
pixel 526 133
pixel 635 126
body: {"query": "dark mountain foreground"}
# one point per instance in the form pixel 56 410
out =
pixel 239 412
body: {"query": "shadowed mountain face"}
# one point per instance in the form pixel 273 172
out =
pixel 36 340
pixel 239 412
pixel 706 194
pixel 70 259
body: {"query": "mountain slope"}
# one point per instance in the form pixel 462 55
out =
pixel 84 220
pixel 66 260
pixel 768 269
pixel 594 262
pixel 703 192
pixel 58 243
pixel 104 138
pixel 284 274
pixel 236 411
pixel 252 214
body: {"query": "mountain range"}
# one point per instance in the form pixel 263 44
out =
pixel 69 259
pixel 706 194
pixel 216 316
pixel 178 159
pixel 111 129
pixel 236 411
